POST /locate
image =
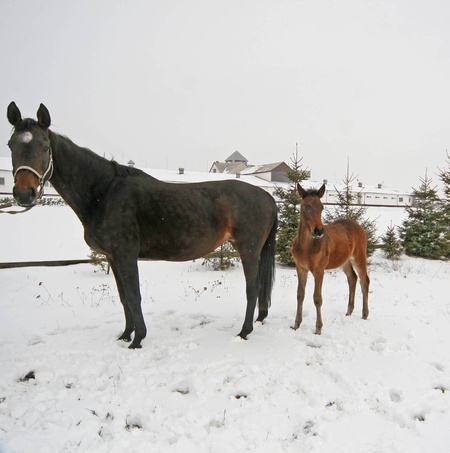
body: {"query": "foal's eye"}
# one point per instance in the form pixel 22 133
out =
pixel 307 207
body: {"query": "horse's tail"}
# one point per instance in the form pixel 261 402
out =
pixel 266 271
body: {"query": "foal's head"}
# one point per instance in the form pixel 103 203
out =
pixel 311 210
pixel 31 154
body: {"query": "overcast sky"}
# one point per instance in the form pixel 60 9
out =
pixel 172 83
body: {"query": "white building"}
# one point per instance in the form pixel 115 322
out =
pixel 366 195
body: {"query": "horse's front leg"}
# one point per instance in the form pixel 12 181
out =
pixel 318 280
pixel 302 276
pixel 129 324
pixel 125 269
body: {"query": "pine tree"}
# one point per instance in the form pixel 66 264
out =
pixel 289 211
pixel 392 247
pixel 347 208
pixel 423 232
pixel 444 176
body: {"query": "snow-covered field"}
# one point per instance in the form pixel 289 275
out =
pixel 381 385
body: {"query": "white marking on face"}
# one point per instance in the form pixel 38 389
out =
pixel 26 137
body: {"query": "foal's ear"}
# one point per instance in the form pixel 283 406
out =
pixel 43 117
pixel 321 191
pixel 13 113
pixel 301 191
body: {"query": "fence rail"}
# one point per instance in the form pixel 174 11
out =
pixel 14 264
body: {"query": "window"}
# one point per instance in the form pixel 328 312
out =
pixel 400 199
pixel 2 181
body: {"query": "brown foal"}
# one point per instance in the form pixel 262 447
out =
pixel 318 247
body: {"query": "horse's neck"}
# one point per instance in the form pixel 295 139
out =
pixel 79 175
pixel 302 231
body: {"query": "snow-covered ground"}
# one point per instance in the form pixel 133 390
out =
pixel 381 385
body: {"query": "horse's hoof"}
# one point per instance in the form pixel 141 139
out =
pixel 135 346
pixel 243 336
pixel 262 316
pixel 125 338
pixel 295 327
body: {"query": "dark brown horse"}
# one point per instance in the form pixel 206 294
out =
pixel 318 247
pixel 128 214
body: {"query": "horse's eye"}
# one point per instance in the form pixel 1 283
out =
pixel 46 149
pixel 307 207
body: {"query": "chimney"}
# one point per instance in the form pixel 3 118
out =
pixel 380 186
pixel 181 171
pixel 325 181
pixel 360 184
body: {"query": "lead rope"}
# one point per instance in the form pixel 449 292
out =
pixel 8 205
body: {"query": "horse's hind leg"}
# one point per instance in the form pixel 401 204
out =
pixel 302 275
pixel 250 265
pixel 365 283
pixel 351 279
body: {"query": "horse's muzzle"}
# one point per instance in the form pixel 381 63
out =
pixel 26 196
pixel 318 233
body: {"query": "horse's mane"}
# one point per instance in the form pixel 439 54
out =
pixel 26 123
pixel 124 170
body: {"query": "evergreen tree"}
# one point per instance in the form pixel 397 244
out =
pixel 392 247
pixel 347 208
pixel 289 210
pixel 444 176
pixel 423 232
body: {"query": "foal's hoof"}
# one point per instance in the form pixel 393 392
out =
pixel 126 338
pixel 294 327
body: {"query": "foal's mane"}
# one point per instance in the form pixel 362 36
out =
pixel 311 193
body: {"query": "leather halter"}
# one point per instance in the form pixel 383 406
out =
pixel 41 177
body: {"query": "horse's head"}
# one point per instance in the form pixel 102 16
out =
pixel 311 210
pixel 31 154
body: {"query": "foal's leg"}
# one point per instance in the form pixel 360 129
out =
pixel 351 279
pixel 302 276
pixel 318 280
pixel 364 279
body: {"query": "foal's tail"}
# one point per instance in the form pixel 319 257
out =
pixel 266 271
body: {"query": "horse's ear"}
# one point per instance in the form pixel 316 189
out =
pixel 301 191
pixel 13 113
pixel 321 191
pixel 43 117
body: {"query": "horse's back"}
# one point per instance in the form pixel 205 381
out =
pixel 348 240
pixel 179 222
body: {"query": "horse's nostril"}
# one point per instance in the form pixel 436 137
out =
pixel 318 232
pixel 24 197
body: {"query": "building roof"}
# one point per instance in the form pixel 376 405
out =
pixel 236 157
pixel 265 168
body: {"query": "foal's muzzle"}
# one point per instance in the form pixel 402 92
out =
pixel 318 233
